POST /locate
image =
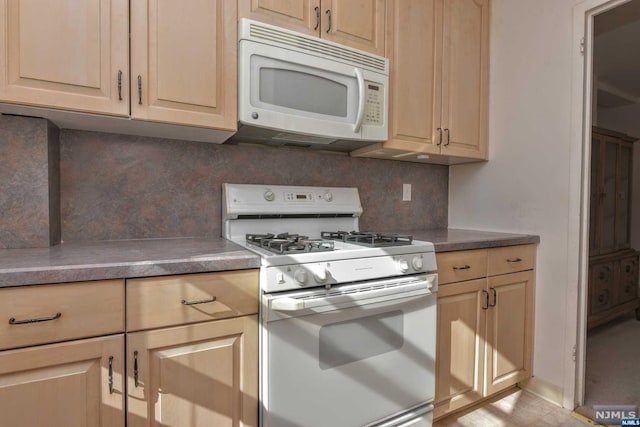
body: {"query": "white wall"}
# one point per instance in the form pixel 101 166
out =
pixel 625 119
pixel 525 185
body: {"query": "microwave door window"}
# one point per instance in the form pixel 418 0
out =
pixel 303 92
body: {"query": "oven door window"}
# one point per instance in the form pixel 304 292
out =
pixel 358 339
pixel 302 90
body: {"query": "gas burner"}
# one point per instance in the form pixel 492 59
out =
pixel 289 243
pixel 368 238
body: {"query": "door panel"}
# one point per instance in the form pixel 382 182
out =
pixel 460 350
pixel 414 40
pixel 302 16
pixel 509 330
pixel 465 77
pixel 65 54
pixel 177 62
pixel 356 23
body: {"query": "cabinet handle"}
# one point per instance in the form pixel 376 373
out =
pixel 328 12
pixel 135 368
pixel 13 320
pixel 448 137
pixel 485 306
pixel 120 85
pixel 466 267
pixel 495 297
pixel 139 89
pixel 514 260
pixel 439 137
pixel 317 9
pixel 202 301
pixel 110 374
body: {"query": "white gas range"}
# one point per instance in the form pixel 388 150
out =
pixel 347 318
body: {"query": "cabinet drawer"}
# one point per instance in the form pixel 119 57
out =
pixel 510 259
pixel 51 313
pixel 461 265
pixel 628 283
pixel 173 300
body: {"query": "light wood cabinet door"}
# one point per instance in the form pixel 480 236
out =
pixel 462 309
pixel 356 23
pixel 465 77
pixel 509 330
pixel 188 376
pixel 64 384
pixel 184 62
pixel 414 40
pixel 302 16
pixel 65 54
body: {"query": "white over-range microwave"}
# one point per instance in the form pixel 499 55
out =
pixel 302 89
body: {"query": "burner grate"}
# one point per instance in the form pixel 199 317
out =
pixel 289 243
pixel 369 238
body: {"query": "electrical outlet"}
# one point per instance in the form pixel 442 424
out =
pixel 406 192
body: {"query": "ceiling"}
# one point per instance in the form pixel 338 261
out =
pixel 616 58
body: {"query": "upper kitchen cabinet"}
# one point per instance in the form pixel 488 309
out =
pixel 65 54
pixel 184 62
pixel 356 23
pixel 438 81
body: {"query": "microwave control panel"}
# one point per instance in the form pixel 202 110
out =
pixel 374 104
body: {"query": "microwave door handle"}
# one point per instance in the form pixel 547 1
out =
pixel 361 99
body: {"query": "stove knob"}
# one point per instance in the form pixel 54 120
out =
pixel 300 276
pixel 417 263
pixel 328 196
pixel 404 265
pixel 269 196
pixel 321 275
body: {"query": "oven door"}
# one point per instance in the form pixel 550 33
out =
pixel 348 357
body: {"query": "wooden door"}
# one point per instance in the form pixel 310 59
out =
pixel 65 54
pixel 302 16
pixel 608 195
pixel 460 350
pixel 184 62
pixel 595 192
pixel 64 384
pixel 623 196
pixel 465 78
pixel 414 39
pixel 509 330
pixel 356 23
pixel 188 376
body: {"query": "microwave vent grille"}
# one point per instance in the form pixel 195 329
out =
pixel 322 48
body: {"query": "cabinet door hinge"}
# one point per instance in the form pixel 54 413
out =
pixel 573 354
pixel 582 45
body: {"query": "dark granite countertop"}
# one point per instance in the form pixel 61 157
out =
pixel 453 239
pixel 72 262
pixel 121 259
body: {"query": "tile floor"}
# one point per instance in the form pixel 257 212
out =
pixel 516 408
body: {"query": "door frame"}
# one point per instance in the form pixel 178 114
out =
pixel 579 186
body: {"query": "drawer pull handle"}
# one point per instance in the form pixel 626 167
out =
pixel 110 374
pixel 202 301
pixel 514 260
pixel 485 306
pixel 135 368
pixel 466 267
pixel 495 297
pixel 13 320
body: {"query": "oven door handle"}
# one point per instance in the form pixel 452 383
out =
pixel 354 297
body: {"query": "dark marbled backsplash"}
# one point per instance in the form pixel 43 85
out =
pixel 117 187
pixel 29 183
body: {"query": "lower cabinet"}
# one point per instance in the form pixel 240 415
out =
pixel 75 383
pixel 191 352
pixel 203 374
pixel 485 324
